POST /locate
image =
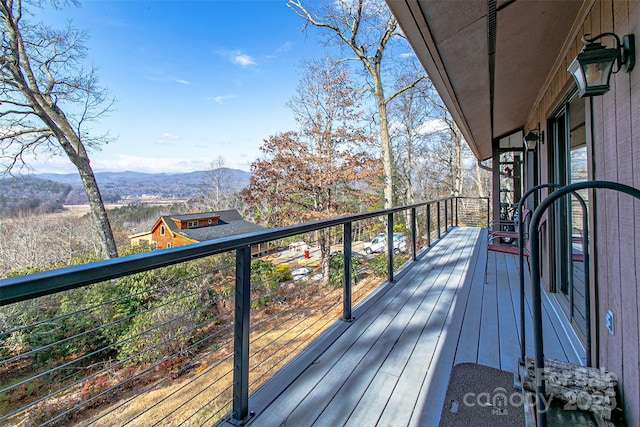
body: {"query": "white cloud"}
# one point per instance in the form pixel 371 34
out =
pixel 150 164
pixel 243 59
pixel 431 126
pixel 168 138
pixel 286 47
pixel 221 98
pixel 238 57
pixel 164 78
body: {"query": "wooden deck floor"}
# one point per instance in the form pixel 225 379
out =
pixel 391 365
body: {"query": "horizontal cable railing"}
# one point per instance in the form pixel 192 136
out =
pixel 181 336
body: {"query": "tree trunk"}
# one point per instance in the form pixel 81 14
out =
pixel 98 211
pixel 41 99
pixel 77 154
pixel 458 165
pixel 385 143
pixel 478 180
pixel 324 242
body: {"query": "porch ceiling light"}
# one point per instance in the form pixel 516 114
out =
pixel 593 66
pixel 532 138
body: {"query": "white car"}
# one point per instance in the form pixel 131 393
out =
pixel 379 244
pixel 301 273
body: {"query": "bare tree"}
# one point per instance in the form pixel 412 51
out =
pixel 411 114
pixel 37 241
pixel 47 101
pixel 320 171
pixel 218 190
pixel 367 29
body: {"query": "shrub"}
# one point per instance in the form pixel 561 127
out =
pixel 264 275
pixel 336 269
pixel 165 330
pixel 378 265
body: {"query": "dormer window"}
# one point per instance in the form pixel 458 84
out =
pixel 192 224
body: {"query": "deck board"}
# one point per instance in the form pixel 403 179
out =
pixel 319 384
pixel 426 314
pixel 391 365
pixel 430 361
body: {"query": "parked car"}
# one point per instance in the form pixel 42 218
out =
pixel 301 273
pixel 379 244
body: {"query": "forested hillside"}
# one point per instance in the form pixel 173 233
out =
pixel 30 194
pixel 136 184
pixel 46 193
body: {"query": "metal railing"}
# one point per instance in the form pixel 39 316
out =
pixel 536 217
pixel 183 335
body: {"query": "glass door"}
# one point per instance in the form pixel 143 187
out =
pixel 568 164
pixel 578 172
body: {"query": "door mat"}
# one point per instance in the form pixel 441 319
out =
pixel 479 395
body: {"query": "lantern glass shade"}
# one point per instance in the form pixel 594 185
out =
pixel 592 69
pixel 531 141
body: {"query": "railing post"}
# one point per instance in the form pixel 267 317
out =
pixel 429 225
pixel 414 234
pixel 241 334
pixel 346 293
pixel 439 225
pixel 390 247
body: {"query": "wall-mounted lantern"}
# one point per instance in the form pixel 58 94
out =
pixel 593 66
pixel 532 138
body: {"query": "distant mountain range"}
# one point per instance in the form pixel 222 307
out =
pixel 165 185
pixel 47 191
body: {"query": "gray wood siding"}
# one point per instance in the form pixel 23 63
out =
pixel 618 159
pixel 615 155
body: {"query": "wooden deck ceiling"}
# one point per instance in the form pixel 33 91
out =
pixel 391 365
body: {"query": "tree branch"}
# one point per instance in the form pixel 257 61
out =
pixel 404 88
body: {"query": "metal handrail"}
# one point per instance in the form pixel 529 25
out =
pixel 27 287
pixel 30 286
pixel 585 242
pixel 521 221
pixel 535 278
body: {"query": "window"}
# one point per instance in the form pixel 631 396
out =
pixel 169 245
pixel 192 224
pixel 568 163
pixel 162 230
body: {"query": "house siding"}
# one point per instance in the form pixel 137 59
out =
pixel 176 240
pixel 615 150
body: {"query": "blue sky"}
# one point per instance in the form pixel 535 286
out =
pixel 193 80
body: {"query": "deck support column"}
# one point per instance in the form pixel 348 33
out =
pixel 439 225
pixel 346 288
pixel 429 226
pixel 390 247
pixel 241 335
pixel 414 234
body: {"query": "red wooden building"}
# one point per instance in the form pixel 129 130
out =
pixel 177 230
